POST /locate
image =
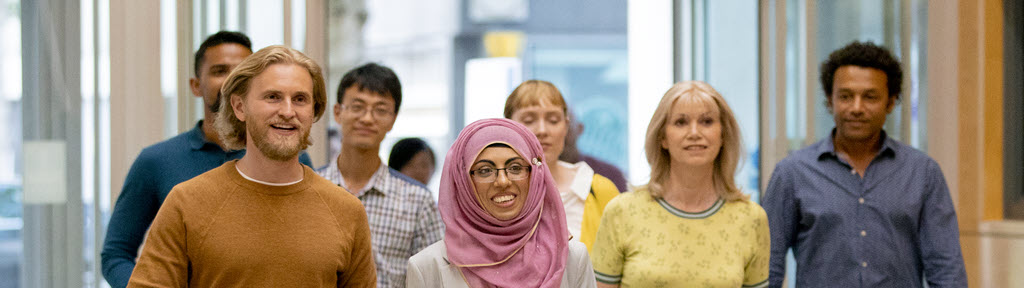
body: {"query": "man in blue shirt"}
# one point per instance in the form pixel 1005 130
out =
pixel 858 208
pixel 163 165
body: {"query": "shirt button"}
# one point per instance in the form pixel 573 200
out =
pixel 861 200
pixel 863 264
pixel 853 171
pixel 863 233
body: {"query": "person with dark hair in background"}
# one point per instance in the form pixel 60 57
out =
pixel 414 158
pixel 572 154
pixel 402 214
pixel 858 208
pixel 161 166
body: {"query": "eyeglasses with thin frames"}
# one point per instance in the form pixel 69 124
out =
pixel 358 110
pixel 514 172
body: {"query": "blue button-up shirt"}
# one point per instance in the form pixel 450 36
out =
pixel 888 229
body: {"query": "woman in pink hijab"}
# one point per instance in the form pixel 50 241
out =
pixel 504 223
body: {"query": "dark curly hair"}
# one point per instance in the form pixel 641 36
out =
pixel 863 54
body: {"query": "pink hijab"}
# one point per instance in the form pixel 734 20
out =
pixel 529 250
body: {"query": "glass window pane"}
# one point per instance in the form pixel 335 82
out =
pixel 265 25
pixel 591 72
pixel 732 68
pixel 299 24
pixel 10 144
pixel 233 15
pixel 169 66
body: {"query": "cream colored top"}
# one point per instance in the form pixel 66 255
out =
pixel 430 268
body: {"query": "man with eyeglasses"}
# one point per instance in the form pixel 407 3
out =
pixel 402 214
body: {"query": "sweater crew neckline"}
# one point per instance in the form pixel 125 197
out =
pixel 240 180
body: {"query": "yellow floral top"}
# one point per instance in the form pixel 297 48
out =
pixel 645 242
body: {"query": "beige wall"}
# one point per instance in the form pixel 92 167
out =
pixel 136 104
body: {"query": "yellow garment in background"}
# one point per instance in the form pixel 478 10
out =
pixel 603 191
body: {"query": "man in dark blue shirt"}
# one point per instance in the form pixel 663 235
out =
pixel 162 166
pixel 858 208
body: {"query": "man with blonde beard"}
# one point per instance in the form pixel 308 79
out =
pixel 160 167
pixel 264 220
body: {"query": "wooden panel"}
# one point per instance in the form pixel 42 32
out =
pixel 316 48
pixel 966 98
pixel 993 109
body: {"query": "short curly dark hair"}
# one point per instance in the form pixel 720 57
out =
pixel 863 54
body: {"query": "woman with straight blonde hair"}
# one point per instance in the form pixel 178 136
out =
pixel 691 225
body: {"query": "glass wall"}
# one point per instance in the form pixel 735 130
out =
pixel 95 126
pixel 726 56
pixel 591 72
pixel 10 144
pixel 414 39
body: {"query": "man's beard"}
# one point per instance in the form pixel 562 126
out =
pixel 280 149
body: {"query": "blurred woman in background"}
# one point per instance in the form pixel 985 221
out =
pixel 540 106
pixel 414 158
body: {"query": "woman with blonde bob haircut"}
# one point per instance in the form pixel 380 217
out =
pixel 691 224
pixel 539 106
pixel 232 130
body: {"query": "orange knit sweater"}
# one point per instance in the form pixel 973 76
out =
pixel 221 230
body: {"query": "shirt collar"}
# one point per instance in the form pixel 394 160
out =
pixel 582 181
pixel 379 179
pixel 828 147
pixel 196 138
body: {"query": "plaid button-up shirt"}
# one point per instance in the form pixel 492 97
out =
pixel 403 219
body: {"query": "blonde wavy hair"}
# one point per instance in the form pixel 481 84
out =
pixel 231 130
pixel 728 158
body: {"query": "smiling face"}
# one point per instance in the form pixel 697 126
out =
pixel 548 123
pixel 364 130
pixel 860 102
pixel 277 111
pixel 693 132
pixel 503 198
